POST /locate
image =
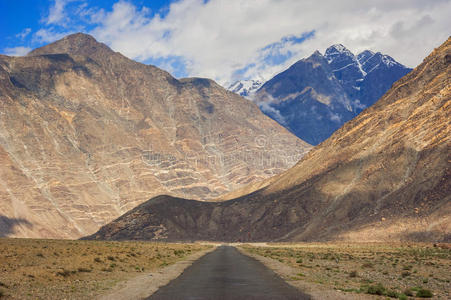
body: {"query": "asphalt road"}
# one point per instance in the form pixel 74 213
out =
pixel 227 274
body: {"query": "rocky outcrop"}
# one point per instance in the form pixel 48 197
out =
pixel 384 176
pixel 87 134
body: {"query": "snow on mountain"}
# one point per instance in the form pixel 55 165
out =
pixel 246 88
pixel 337 51
pixel 317 95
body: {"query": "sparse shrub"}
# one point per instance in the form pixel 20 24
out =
pixel 65 273
pixel 111 258
pixel 164 264
pixel 405 274
pixel 377 289
pixel 299 261
pixel 424 293
pixel 97 260
pixel 408 292
pixel 425 280
pixel 402 297
pixel 40 254
pixel 367 265
pixel 86 270
pixel 392 294
pixel 353 274
pixel 2 293
pixel 179 252
pixel 107 270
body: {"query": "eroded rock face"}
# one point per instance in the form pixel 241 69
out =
pixel 87 134
pixel 384 176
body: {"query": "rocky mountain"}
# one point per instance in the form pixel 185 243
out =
pixel 317 95
pixel 87 134
pixel 383 176
pixel 245 88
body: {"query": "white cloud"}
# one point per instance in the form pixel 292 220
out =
pixel 49 35
pixel 24 33
pixel 57 14
pixel 226 39
pixel 219 37
pixel 17 51
pixel 274 113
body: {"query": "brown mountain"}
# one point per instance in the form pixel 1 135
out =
pixel 383 176
pixel 86 134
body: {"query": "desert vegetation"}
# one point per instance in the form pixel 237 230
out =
pixel 389 271
pixel 65 269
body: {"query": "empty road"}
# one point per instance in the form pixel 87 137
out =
pixel 227 274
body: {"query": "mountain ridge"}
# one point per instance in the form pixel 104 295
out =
pixel 383 176
pixel 87 135
pixel 316 95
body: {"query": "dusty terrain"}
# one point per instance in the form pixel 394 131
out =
pixel 360 271
pixel 63 269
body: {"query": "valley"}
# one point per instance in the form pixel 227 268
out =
pixel 382 177
pixel 225 150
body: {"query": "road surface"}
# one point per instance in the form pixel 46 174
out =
pixel 227 274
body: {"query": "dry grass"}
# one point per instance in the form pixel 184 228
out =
pixel 63 269
pixel 395 271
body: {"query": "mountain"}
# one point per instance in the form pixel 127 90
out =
pixel 317 95
pixel 245 88
pixel 383 176
pixel 87 134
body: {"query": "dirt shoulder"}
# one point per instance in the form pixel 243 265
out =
pixel 67 269
pixel 359 270
pixel 288 273
pixel 145 285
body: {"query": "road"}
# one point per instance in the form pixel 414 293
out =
pixel 227 274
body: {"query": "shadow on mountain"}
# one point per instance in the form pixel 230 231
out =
pixel 303 212
pixel 7 225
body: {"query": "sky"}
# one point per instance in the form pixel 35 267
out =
pixel 229 40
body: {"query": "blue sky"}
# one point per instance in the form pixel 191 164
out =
pixel 227 40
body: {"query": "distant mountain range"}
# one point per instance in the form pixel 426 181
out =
pixel 383 176
pixel 318 94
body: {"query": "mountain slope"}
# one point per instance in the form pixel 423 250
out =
pixel 384 176
pixel 87 134
pixel 317 95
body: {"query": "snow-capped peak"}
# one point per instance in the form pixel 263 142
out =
pixel 388 61
pixel 337 50
pixel 362 57
pixel 245 88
